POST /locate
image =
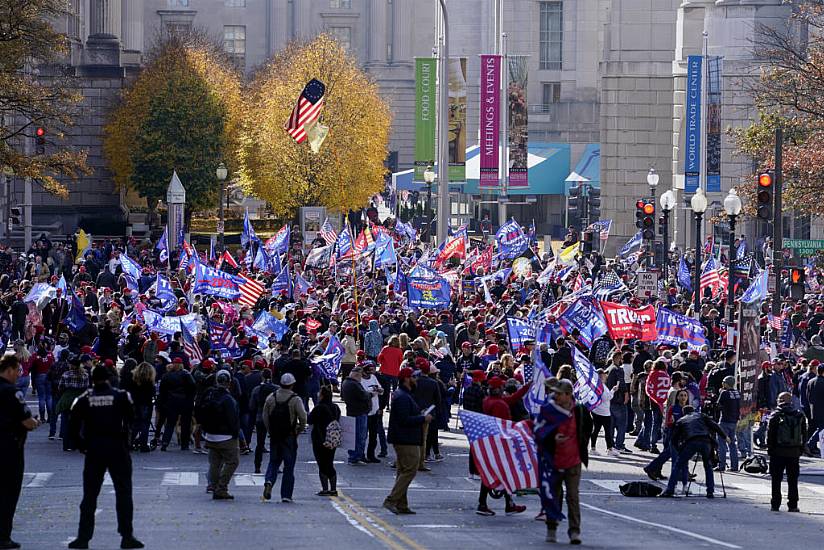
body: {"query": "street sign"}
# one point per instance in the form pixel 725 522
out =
pixel 804 247
pixel 647 283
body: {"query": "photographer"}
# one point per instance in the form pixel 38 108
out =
pixel 729 403
pixel 692 435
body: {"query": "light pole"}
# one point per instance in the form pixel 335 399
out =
pixel 221 172
pixel 429 178
pixel 652 181
pixel 698 203
pixel 443 129
pixel 667 204
pixel 732 204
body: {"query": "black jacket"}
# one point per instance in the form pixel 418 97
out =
pixel 358 400
pixel 427 392
pixel 405 420
pixel 320 418
pixel 100 419
pixel 228 420
pixel 695 426
pixel 773 448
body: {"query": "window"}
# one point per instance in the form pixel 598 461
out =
pixel 344 4
pixel 343 35
pixel 234 42
pixel 179 28
pixel 551 94
pixel 552 35
pixel 234 3
pixel 178 3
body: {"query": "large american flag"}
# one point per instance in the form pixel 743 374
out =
pixel 190 345
pixel 327 232
pixel 221 336
pixel 250 291
pixel 504 451
pixel 711 276
pixel 307 110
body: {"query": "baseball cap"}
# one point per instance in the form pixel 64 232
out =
pixel 222 378
pixel 287 379
pixel 405 372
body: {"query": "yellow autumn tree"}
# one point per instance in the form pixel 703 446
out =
pixel 349 167
pixel 183 112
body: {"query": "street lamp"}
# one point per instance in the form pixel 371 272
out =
pixel 652 181
pixel 221 172
pixel 732 204
pixel 667 204
pixel 698 203
pixel 429 178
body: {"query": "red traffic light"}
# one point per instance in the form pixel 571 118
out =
pixel 649 209
pixel 40 131
pixel 765 179
pixel 639 205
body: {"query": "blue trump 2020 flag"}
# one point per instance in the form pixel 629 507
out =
pixel 757 291
pixel 636 240
pixel 328 364
pixel 512 242
pixel 588 387
pixel 684 275
pixel 248 234
pixel 674 328
pixel 165 293
pixel 214 282
pixel 584 315
pixel 520 330
pixel 427 293
pixel 282 282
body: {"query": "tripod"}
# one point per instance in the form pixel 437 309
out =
pixel 692 475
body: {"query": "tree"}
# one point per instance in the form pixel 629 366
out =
pixel 28 100
pixel 349 167
pixel 789 93
pixel 181 113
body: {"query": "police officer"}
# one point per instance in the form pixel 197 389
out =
pixel 15 423
pixel 100 421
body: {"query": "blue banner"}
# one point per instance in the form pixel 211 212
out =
pixel 692 118
pixel 757 291
pixel 636 240
pixel 267 324
pixel 385 251
pixel 248 234
pixel 156 322
pixel 586 317
pixel 279 243
pixel 76 319
pixel 512 242
pixel 328 364
pixel 520 330
pixel 129 266
pixel 588 388
pixel 165 293
pixel 282 282
pixel 684 275
pixel 674 328
pixel 214 282
pixel 427 293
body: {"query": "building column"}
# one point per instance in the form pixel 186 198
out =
pixel 377 31
pixel 104 17
pixel 132 25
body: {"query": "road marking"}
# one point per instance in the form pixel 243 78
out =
pixel 352 521
pixel 433 526
pixel 37 479
pixel 380 527
pixel 180 478
pixel 249 480
pixel 660 526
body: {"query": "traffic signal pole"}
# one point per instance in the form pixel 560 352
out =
pixel 778 229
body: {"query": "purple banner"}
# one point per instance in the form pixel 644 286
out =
pixel 490 123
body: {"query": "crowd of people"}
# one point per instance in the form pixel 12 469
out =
pixel 116 367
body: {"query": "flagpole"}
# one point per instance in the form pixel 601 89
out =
pixel 355 286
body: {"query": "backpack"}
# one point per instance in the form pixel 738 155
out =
pixel 334 435
pixel 281 425
pixel 788 431
pixel 207 411
pixel 755 465
pixel 640 489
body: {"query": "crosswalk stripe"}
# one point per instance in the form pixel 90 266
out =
pixel 249 480
pixel 180 478
pixel 37 479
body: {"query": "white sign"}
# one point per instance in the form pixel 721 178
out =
pixel 647 284
pixel 347 432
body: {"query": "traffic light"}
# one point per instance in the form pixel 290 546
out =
pixel 645 218
pixel 574 206
pixel 588 238
pixel 594 204
pixel 764 195
pixel 797 280
pixel 16 215
pixel 40 140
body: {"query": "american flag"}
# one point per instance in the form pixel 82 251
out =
pixel 250 291
pixel 504 451
pixel 221 336
pixel 327 232
pixel 711 276
pixel 775 322
pixel 608 285
pixel 306 111
pixel 190 346
pixel 603 226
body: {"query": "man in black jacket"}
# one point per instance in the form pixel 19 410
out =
pixel 177 394
pixel 785 441
pixel 220 419
pixel 693 434
pixel 256 402
pixel 427 392
pixel 358 402
pixel 406 436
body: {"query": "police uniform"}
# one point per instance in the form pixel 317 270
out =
pixel 100 421
pixel 13 411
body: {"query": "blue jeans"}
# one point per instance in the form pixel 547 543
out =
pixel 619 423
pixel 44 401
pixel 23 384
pixel 682 462
pixel 744 438
pixel 361 432
pixel 286 452
pixel 651 432
pixel 812 442
pixel 142 421
pixel 729 429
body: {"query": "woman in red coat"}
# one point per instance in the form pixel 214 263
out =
pixel 390 358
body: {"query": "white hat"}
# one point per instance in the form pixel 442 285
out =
pixel 287 379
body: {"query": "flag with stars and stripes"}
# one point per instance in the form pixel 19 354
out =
pixel 504 451
pixel 711 276
pixel 327 232
pixel 221 338
pixel 250 291
pixel 190 345
pixel 307 110
pixel 609 285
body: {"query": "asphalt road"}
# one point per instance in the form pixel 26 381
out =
pixel 172 509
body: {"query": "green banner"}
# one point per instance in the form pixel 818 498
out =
pixel 425 114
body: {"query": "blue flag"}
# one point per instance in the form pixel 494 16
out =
pixel 76 319
pixel 162 245
pixel 385 251
pixel 520 330
pixel 684 275
pixel 299 287
pixel 267 324
pixel 511 240
pixel 279 243
pixel 282 282
pixel 328 364
pixel 165 294
pixel 674 328
pixel 209 280
pixel 584 315
pixel 248 234
pixel 635 241
pixel 427 293
pixel 757 291
pixel 261 259
pixel 61 286
pixel 742 249
pixel 588 388
pixel 129 266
